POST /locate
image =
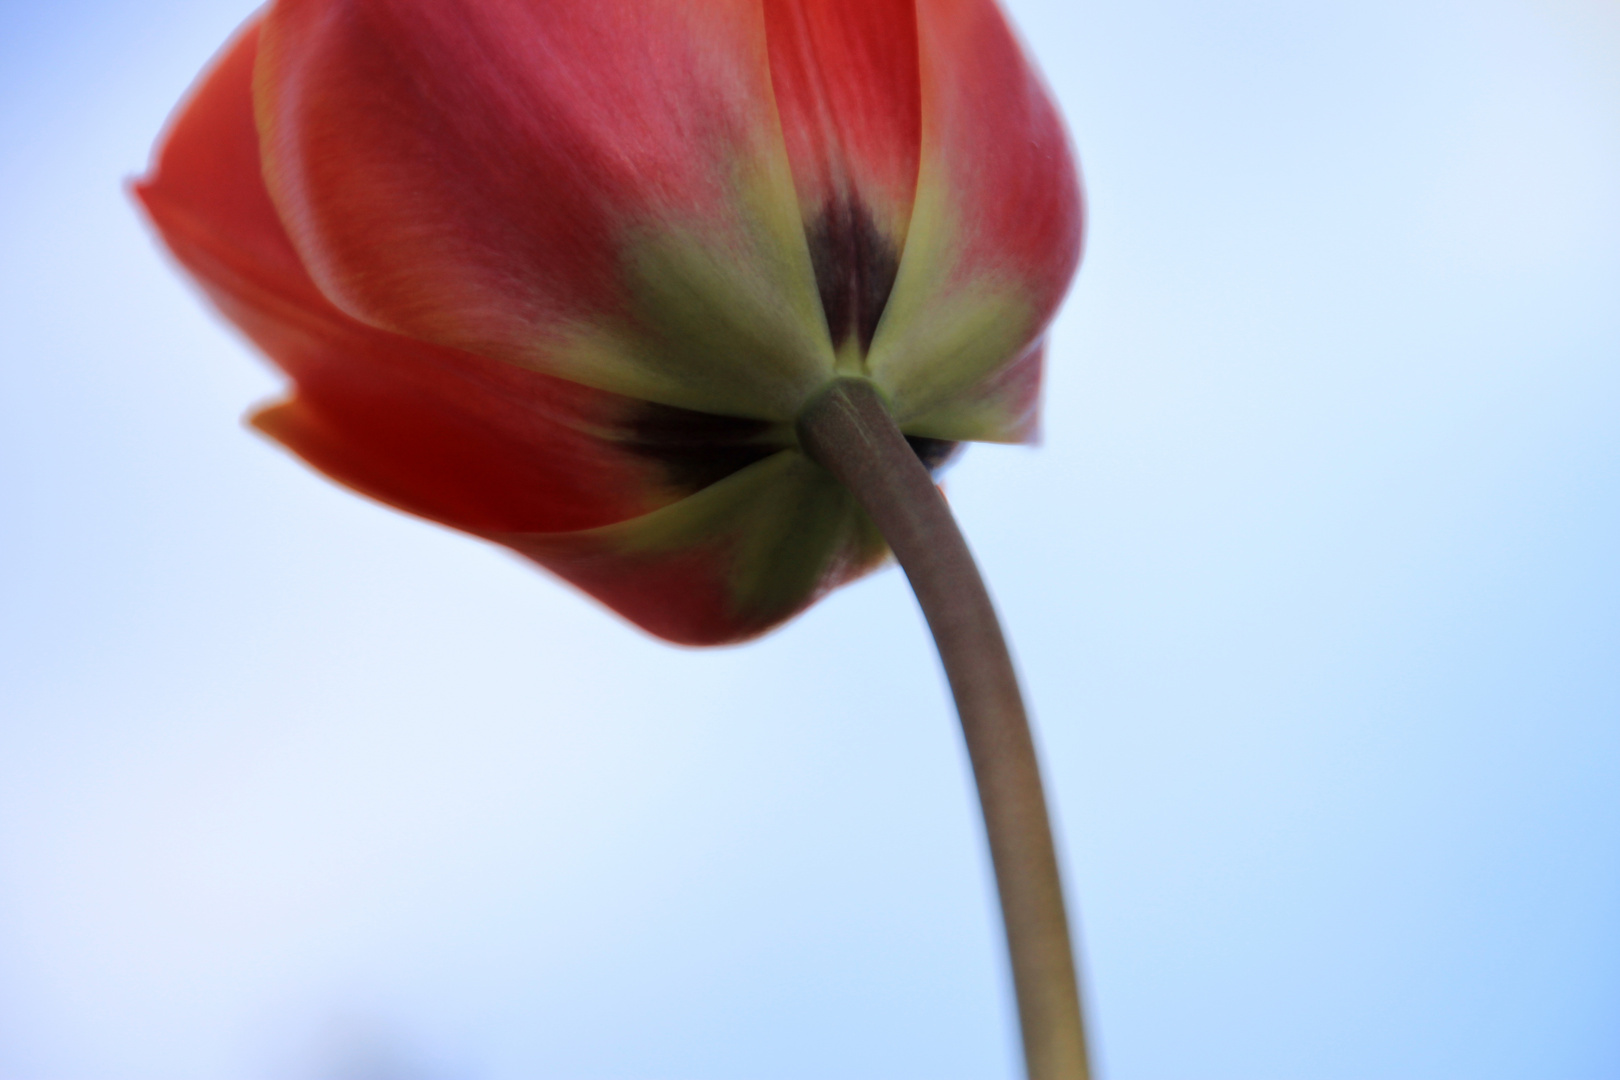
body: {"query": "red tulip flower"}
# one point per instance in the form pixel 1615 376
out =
pixel 618 283
pixel 563 273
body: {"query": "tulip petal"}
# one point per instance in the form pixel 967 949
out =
pixel 477 444
pixel 845 77
pixel 595 189
pixel 726 564
pixel 994 236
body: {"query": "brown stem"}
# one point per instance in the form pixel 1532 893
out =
pixel 849 431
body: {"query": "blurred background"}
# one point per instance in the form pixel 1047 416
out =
pixel 1313 582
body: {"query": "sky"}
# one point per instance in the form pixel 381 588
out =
pixel 1312 583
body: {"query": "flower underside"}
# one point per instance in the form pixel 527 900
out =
pixel 562 275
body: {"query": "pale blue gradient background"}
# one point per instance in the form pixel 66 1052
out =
pixel 1314 584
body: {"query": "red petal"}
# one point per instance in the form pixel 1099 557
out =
pixel 845 77
pixel 470 442
pixel 502 175
pixel 995 232
pixel 1000 151
pixel 725 564
pixel 206 177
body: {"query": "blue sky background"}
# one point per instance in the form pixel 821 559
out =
pixel 1314 585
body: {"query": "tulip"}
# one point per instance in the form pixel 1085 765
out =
pixel 564 274
pixel 680 299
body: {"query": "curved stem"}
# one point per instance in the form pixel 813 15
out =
pixel 849 431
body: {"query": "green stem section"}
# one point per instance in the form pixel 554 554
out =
pixel 849 431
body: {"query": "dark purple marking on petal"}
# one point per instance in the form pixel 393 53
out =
pixel 696 449
pixel 855 266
